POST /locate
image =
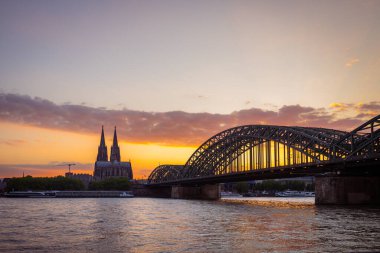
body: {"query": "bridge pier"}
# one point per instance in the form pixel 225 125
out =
pixel 346 190
pixel 151 192
pixel 206 192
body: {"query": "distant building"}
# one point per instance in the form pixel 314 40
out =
pixel 85 178
pixel 3 184
pixel 113 168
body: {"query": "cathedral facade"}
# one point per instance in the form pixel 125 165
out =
pixel 114 167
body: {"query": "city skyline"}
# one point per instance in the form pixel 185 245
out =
pixel 170 74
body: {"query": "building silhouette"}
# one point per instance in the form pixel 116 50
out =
pixel 86 179
pixel 114 167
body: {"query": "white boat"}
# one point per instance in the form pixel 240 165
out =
pixel 229 194
pixel 126 195
pixel 310 194
pixel 294 194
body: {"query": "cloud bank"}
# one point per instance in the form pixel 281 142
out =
pixel 175 127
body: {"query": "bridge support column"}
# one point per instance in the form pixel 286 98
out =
pixel 151 192
pixel 206 192
pixel 347 190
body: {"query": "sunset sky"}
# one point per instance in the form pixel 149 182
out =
pixel 170 74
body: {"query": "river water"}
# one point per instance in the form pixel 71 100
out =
pixel 169 225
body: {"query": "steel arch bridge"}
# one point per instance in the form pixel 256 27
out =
pixel 265 151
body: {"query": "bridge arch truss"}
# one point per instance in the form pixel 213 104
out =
pixel 260 147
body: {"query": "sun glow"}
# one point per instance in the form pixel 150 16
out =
pixel 37 151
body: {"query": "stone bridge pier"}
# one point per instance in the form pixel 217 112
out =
pixel 206 192
pixel 347 190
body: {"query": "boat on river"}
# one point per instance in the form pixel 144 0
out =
pixel 230 194
pixel 295 194
pixel 126 195
pixel 29 194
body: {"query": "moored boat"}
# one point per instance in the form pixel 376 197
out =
pixel 294 194
pixel 230 194
pixel 126 195
pixel 29 194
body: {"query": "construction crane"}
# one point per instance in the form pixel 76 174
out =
pixel 67 164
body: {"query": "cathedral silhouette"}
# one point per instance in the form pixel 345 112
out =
pixel 114 167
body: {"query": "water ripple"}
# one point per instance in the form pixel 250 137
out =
pixel 168 225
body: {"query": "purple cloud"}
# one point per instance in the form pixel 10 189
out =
pixel 167 128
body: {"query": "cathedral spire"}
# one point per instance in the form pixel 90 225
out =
pixel 114 138
pixel 102 141
pixel 102 150
pixel 115 150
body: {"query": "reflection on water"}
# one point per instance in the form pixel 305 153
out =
pixel 168 225
pixel 294 202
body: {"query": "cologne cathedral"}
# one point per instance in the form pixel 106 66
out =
pixel 114 167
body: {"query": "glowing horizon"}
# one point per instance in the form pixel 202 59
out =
pixel 41 156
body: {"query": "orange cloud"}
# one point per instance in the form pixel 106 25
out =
pixel 352 62
pixel 12 142
pixel 339 106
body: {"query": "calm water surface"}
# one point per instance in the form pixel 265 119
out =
pixel 168 225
